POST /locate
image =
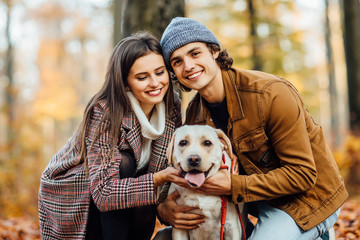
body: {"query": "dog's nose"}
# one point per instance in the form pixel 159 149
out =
pixel 194 160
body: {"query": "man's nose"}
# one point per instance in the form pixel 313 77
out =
pixel 189 64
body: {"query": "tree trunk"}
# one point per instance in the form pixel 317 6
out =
pixel 257 65
pixel 351 29
pixel 150 15
pixel 333 92
pixel 10 93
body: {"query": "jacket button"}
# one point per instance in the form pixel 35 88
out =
pixel 239 198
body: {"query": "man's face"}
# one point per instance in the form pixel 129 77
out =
pixel 195 66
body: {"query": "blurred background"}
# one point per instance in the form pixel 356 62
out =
pixel 53 57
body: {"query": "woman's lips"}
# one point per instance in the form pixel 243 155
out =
pixel 154 92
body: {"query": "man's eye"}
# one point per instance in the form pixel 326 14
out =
pixel 195 53
pixel 207 143
pixel 183 143
pixel 176 63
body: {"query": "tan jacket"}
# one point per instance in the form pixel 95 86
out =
pixel 281 148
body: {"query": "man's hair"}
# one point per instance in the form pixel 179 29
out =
pixel 224 60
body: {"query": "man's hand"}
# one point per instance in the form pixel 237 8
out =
pixel 178 216
pixel 235 163
pixel 218 184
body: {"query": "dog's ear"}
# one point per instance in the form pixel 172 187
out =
pixel 225 140
pixel 170 148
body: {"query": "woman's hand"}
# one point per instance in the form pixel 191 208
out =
pixel 178 216
pixel 218 184
pixel 169 174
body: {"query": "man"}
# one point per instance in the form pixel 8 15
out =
pixel 289 175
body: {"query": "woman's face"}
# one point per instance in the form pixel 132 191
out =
pixel 148 80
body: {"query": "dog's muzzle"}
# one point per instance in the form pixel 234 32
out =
pixel 195 177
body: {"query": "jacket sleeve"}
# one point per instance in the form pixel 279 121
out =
pixel 285 121
pixel 107 189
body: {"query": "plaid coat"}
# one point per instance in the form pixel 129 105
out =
pixel 65 190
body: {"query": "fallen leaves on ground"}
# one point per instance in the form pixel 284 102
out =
pixel 348 224
pixel 346 228
pixel 21 228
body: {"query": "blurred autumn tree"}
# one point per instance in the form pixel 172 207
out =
pixel 48 95
pixel 151 15
pixel 351 28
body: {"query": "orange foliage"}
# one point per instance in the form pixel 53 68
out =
pixel 348 161
pixel 348 224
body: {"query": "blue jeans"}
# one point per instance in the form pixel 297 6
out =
pixel 276 224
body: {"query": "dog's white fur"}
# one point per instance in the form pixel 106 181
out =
pixel 209 144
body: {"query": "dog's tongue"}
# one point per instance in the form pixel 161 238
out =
pixel 196 179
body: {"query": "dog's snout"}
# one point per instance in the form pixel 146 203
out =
pixel 194 160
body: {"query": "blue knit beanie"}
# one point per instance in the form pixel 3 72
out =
pixel 182 31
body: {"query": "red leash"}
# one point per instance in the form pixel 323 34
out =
pixel 224 206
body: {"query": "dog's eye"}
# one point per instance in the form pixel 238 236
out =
pixel 183 143
pixel 207 143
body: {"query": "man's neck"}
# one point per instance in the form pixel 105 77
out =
pixel 214 92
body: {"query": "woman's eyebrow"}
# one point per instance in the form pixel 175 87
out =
pixel 156 69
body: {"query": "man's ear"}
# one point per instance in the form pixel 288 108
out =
pixel 216 54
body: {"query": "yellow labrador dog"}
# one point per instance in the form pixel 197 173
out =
pixel 197 151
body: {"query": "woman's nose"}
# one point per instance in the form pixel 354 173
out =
pixel 154 82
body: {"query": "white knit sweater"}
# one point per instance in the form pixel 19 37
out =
pixel 150 130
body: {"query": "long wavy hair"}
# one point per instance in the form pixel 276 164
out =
pixel 223 60
pixel 113 91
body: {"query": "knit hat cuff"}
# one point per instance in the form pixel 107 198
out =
pixel 182 31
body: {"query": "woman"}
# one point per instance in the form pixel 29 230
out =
pixel 103 183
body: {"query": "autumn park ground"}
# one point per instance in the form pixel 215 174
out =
pixel 347 226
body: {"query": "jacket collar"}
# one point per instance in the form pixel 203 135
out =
pixel 233 101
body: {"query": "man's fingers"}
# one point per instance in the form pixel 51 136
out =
pixel 188 224
pixel 183 209
pixel 174 195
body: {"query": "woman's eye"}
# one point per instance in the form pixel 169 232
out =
pixel 183 143
pixel 141 78
pixel 160 73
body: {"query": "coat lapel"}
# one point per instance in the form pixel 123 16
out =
pixel 133 133
pixel 158 155
pixel 159 145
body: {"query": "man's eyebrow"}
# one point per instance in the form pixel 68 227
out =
pixel 173 59
pixel 188 52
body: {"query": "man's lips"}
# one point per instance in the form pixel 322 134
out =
pixel 194 75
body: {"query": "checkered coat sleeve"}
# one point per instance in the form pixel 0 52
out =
pixel 65 190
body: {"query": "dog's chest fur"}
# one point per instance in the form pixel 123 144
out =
pixel 208 205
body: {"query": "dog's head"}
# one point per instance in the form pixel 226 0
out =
pixel 197 151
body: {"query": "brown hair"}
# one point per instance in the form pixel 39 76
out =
pixel 223 60
pixel 113 91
